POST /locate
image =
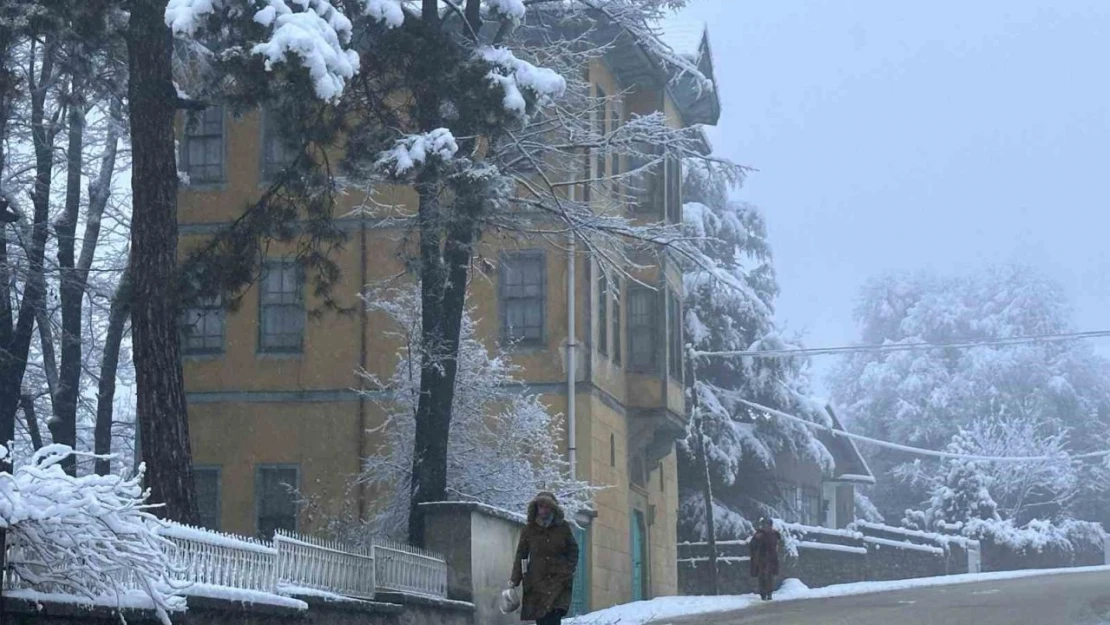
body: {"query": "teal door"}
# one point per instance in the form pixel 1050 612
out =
pixel 580 600
pixel 638 556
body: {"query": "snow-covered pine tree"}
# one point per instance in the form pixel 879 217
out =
pixel 730 306
pixel 925 397
pixel 504 443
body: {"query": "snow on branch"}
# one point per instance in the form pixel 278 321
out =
pixel 503 445
pixel 415 150
pixel 516 77
pixel 89 536
pixel 512 9
pixel 315 31
pixel 317 35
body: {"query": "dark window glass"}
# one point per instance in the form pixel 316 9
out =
pixel 523 297
pixel 282 313
pixel 275 500
pixel 202 152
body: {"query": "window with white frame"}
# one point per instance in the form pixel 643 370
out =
pixel 674 335
pixel 802 504
pixel 672 188
pixel 207 480
pixel 617 353
pixel 275 501
pixel 602 312
pixel 278 151
pixel 523 297
pixel 282 312
pixel 643 328
pixel 202 327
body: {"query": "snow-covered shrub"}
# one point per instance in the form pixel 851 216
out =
pixel 504 442
pixel 1036 537
pixel 865 509
pixel 90 536
pixel 1084 535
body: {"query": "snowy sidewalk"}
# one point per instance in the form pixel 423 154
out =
pixel 657 610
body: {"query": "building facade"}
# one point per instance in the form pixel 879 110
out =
pixel 273 391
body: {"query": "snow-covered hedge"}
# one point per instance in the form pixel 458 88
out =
pixel 1037 536
pixel 89 536
pixel 1084 535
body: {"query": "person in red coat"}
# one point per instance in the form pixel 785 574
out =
pixel 764 545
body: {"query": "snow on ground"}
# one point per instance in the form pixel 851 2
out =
pixel 243 596
pixel 129 600
pixel 658 610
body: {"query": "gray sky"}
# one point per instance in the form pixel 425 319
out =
pixel 895 135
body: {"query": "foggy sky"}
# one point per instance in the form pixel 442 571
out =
pixel 903 136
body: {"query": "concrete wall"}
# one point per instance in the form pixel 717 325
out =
pixel 479 544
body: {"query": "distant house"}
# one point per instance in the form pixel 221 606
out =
pixel 810 498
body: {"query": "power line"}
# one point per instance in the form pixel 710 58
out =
pixel 904 347
pixel 917 450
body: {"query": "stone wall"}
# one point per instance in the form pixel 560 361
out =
pixel 203 611
pixel 868 552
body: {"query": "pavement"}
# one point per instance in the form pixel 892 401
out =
pixel 1070 599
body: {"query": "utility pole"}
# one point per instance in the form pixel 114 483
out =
pixel 703 462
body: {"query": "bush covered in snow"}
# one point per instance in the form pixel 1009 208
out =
pixel 504 443
pixel 90 536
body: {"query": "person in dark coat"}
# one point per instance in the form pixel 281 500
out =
pixel 765 557
pixel 548 546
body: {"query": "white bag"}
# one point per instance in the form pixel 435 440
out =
pixel 510 600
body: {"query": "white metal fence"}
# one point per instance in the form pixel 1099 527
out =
pixel 330 566
pixel 406 569
pixel 286 564
pixel 201 556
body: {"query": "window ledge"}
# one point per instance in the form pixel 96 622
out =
pixel 277 355
pixel 202 356
pixel 526 348
pixel 203 187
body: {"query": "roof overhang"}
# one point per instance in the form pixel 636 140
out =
pixel 862 474
pixel 853 479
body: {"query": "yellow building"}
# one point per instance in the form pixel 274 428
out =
pixel 271 391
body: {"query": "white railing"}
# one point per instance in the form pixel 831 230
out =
pixel 305 562
pixel 200 556
pixel 405 569
pixel 289 563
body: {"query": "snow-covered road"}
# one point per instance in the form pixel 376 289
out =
pixel 1073 598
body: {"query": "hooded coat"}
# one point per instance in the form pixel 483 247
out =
pixel 764 547
pixel 552 557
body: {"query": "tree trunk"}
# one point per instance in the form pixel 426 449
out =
pixel 109 364
pixel 27 403
pixel 13 355
pixel 443 282
pixel 63 424
pixel 162 418
pixel 702 461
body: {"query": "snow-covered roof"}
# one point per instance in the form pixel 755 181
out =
pixel 684 36
pixel 850 464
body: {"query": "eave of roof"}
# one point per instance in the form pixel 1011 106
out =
pixel 848 446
